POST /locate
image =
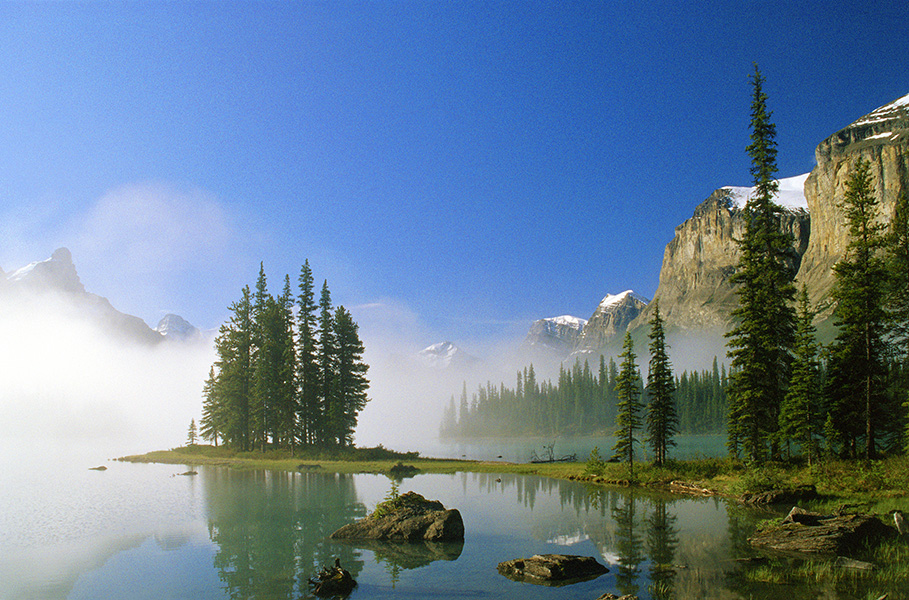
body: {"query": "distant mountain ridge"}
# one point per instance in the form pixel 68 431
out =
pixel 445 355
pixel 56 279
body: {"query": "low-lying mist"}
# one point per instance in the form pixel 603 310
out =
pixel 65 379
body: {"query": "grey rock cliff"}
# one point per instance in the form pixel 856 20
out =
pixel 880 137
pixel 610 320
pixel 694 290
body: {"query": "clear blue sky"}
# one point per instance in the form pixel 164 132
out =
pixel 454 169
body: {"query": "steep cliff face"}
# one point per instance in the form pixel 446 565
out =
pixel 694 291
pixel 610 320
pixel 881 138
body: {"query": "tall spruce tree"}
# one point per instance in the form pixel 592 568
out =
pixel 800 412
pixel 857 370
pixel 213 422
pixel 233 365
pixel 308 384
pixel 897 257
pixel 662 420
pixel 762 338
pixel 628 419
pixel 350 383
pixel 326 352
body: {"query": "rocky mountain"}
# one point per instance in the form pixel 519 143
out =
pixel 610 320
pixel 175 327
pixel 445 356
pixel 552 337
pixel 694 291
pixel 880 137
pixel 54 284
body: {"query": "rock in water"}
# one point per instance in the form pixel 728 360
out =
pixel 332 582
pixel 834 535
pixel 409 517
pixel 552 569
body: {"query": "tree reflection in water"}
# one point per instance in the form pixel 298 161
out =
pixel 271 528
pixel 662 540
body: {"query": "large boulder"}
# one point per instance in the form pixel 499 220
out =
pixel 811 533
pixel 409 517
pixel 552 569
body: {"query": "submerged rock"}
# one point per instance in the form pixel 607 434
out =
pixel 332 582
pixel 552 569
pixel 812 533
pixel 400 471
pixel 411 555
pixel 409 517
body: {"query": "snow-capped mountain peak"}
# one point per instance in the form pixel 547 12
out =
pixel 175 327
pixel 791 193
pixel 445 355
pixel 54 273
pixel 615 299
pixel 897 108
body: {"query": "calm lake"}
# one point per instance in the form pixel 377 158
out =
pixel 143 531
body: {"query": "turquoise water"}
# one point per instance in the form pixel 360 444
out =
pixel 140 531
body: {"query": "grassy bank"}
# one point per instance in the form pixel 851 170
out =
pixel 877 486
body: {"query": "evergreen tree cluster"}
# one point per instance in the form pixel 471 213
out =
pixel 611 400
pixel 784 390
pixel 289 372
pixel 549 408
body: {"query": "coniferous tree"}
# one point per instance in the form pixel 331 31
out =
pixel 350 383
pixel 800 412
pixel 857 371
pixel 213 422
pixel 897 257
pixel 628 390
pixel 192 433
pixel 285 384
pixel 762 338
pixel 308 383
pixel 662 421
pixel 326 357
pixel 260 407
pixel 233 366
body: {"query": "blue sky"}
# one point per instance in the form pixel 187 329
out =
pixel 454 169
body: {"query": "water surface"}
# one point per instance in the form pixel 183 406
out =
pixel 145 531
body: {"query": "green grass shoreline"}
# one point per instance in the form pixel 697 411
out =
pixel 877 486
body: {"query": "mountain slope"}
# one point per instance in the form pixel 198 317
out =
pixel 54 285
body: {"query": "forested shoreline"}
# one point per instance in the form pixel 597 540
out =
pixel 581 401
